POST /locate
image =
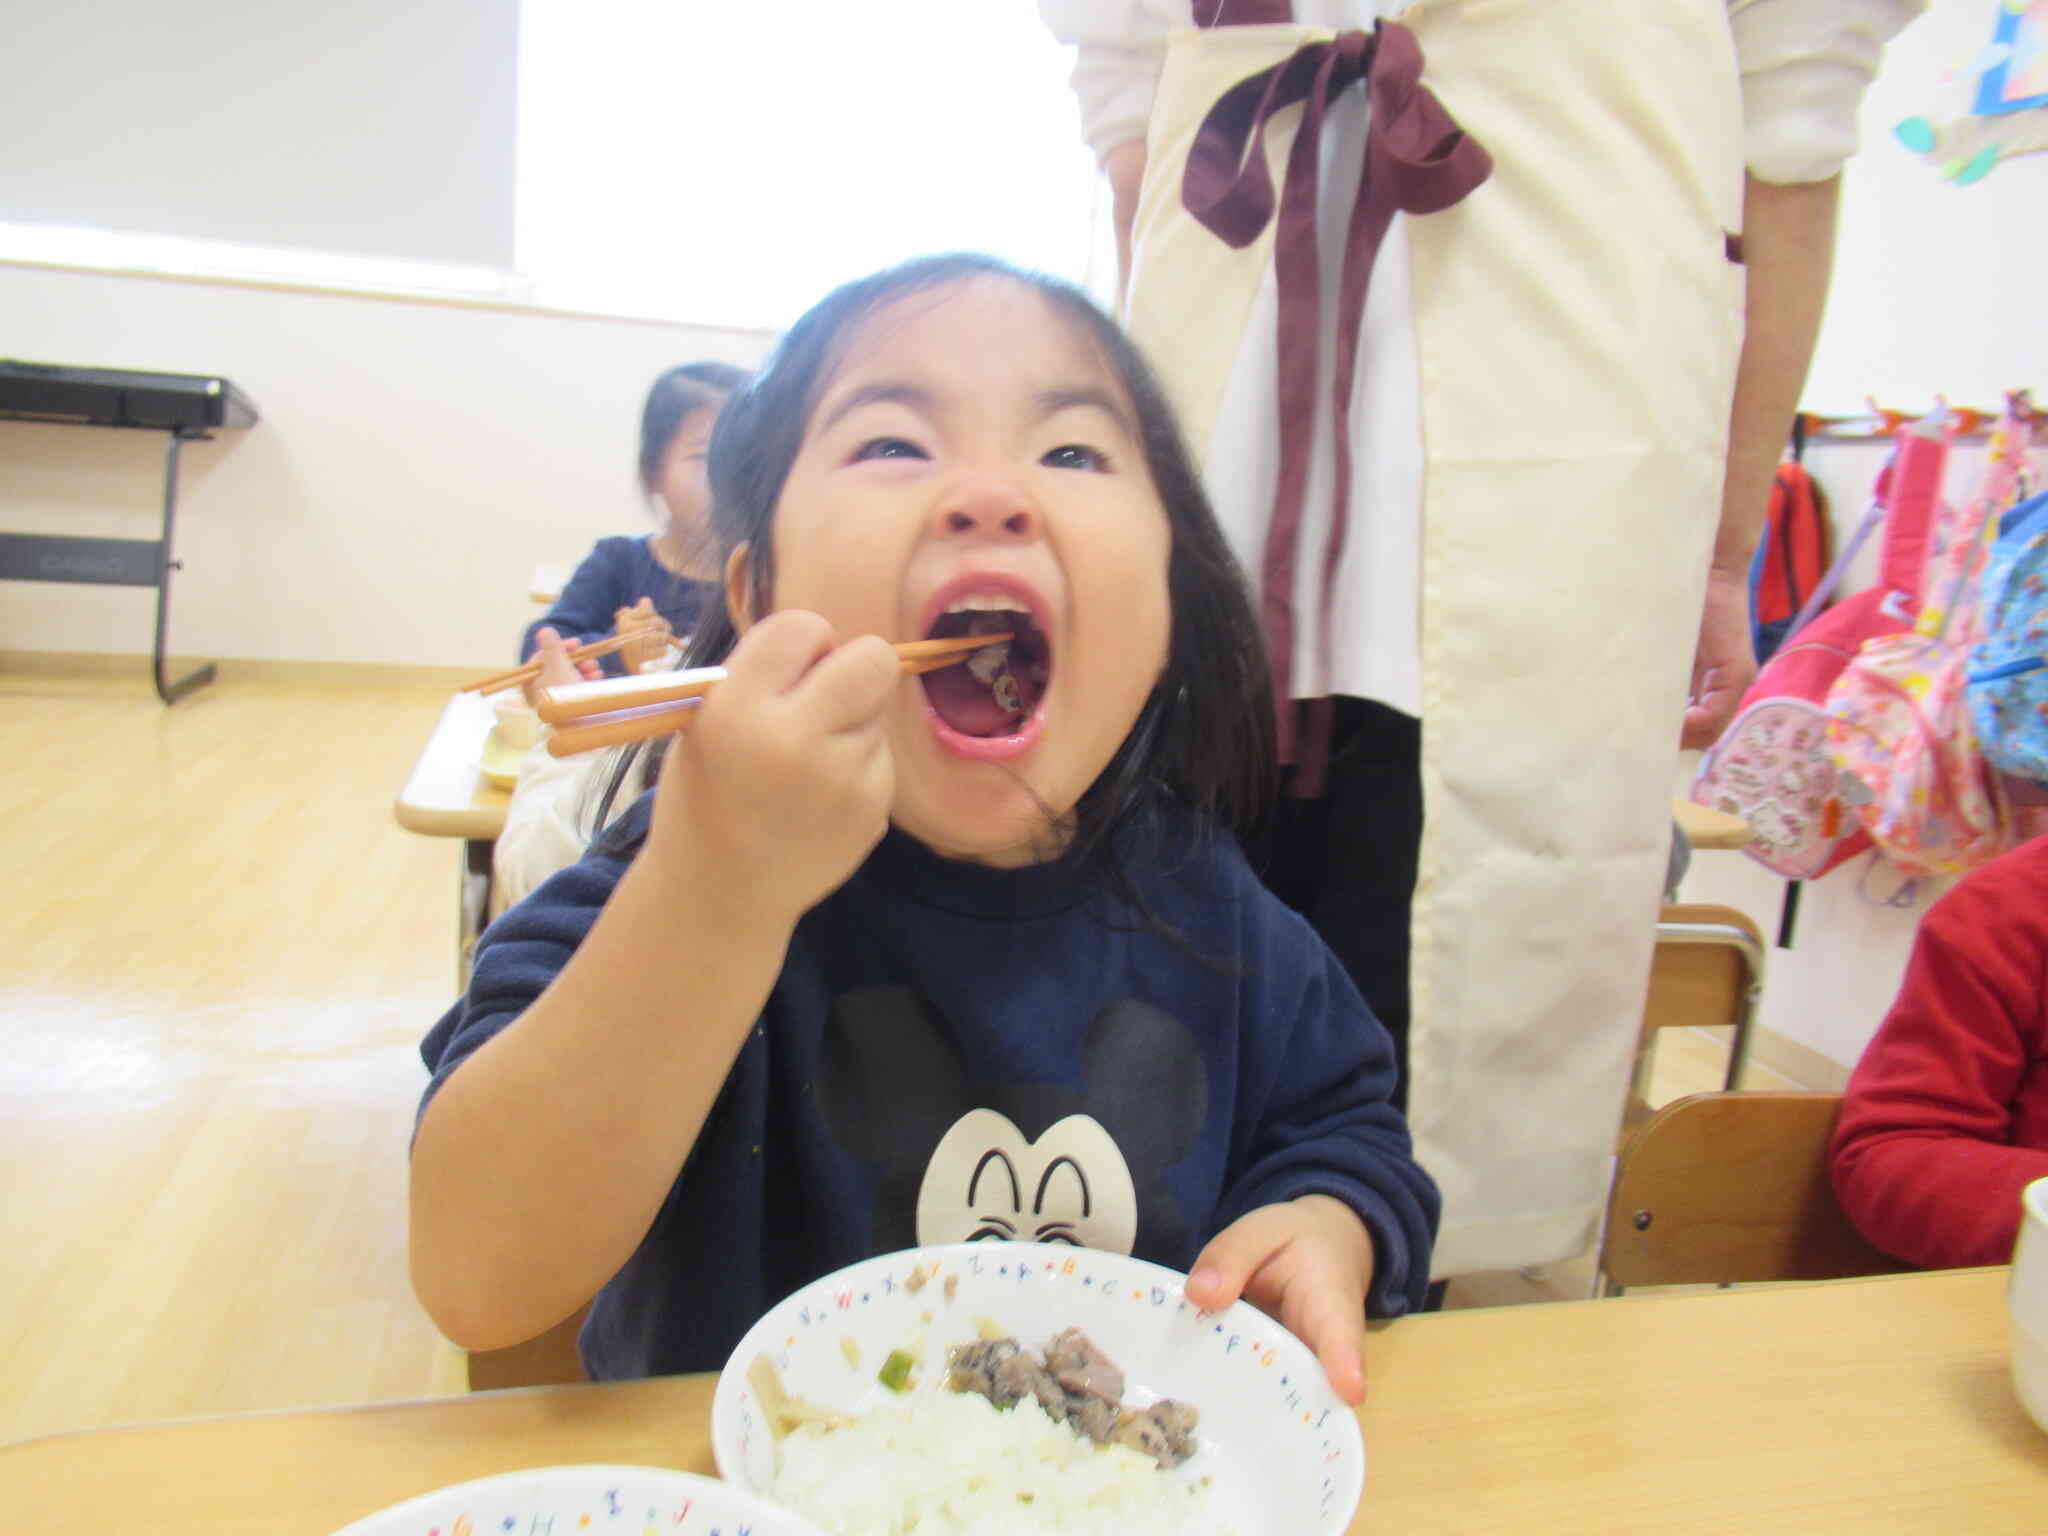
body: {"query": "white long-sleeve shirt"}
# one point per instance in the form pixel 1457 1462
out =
pixel 1805 66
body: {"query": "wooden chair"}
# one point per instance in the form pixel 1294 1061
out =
pixel 1706 828
pixel 546 584
pixel 1720 1188
pixel 1707 970
pixel 547 1361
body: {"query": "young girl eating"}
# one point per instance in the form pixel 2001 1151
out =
pixel 665 575
pixel 883 961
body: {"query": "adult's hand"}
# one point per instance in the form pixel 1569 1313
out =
pixel 1723 661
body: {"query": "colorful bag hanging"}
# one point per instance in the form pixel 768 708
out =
pixel 1772 766
pixel 1791 559
pixel 1899 723
pixel 2008 677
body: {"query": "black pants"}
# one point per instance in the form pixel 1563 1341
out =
pixel 1346 860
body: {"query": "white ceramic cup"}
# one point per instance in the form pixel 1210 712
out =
pixel 2028 1297
pixel 518 725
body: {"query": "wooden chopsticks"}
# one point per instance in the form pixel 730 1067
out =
pixel 616 711
pixel 526 674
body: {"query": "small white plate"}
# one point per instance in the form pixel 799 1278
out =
pixel 567 1500
pixel 500 760
pixel 1283 1452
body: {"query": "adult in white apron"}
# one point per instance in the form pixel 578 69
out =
pixel 1537 428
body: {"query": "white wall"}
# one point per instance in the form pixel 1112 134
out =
pixel 414 462
pixel 1937 287
pixel 1937 291
pixel 382 126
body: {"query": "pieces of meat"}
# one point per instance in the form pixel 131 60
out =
pixel 990 1367
pixel 1077 1385
pixel 985 663
pixel 1092 1416
pixel 1003 1371
pixel 1081 1368
pixel 1165 1431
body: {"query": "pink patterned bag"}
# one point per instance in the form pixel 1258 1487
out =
pixel 1899 724
pixel 1772 766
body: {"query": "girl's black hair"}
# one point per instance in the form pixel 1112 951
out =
pixel 673 396
pixel 1204 738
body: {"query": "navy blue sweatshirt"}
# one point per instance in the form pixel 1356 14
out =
pixel 953 1052
pixel 616 574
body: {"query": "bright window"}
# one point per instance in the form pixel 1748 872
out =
pixel 730 163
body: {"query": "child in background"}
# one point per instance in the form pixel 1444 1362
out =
pixel 672 567
pixel 883 961
pixel 551 818
pixel 1945 1119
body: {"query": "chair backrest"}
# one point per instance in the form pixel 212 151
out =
pixel 1720 1188
pixel 1705 959
pixel 1706 970
pixel 547 1361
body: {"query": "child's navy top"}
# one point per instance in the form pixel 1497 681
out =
pixel 953 1051
pixel 616 574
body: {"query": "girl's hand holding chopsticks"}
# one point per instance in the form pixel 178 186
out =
pixel 619 711
pixel 785 779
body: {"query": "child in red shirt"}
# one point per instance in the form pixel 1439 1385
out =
pixel 1946 1117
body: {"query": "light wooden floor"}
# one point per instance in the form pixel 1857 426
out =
pixel 217 955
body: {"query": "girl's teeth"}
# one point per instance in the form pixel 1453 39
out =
pixel 982 602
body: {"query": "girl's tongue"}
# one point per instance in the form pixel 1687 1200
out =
pixel 994 691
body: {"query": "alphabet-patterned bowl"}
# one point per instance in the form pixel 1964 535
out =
pixel 1280 1454
pixel 566 1500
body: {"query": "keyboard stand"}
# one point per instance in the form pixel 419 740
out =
pixel 170 692
pixel 118 562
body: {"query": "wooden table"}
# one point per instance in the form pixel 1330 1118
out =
pixel 1856 1406
pixel 447 795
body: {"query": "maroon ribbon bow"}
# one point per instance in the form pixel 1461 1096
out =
pixel 1417 160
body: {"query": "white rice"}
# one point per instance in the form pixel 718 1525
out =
pixel 940 1463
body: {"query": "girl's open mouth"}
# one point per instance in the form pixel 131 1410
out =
pixel 994 693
